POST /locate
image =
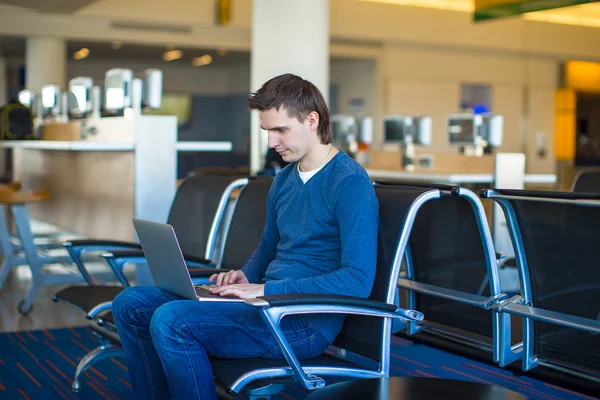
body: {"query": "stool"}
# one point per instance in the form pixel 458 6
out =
pixel 16 202
pixel 413 388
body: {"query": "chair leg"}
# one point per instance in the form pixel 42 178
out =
pixel 35 264
pixel 6 248
pixel 99 353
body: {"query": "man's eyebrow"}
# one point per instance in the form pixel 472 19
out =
pixel 275 128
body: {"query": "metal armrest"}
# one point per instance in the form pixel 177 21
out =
pixel 274 308
pixel 138 257
pixel 98 309
pixel 333 304
pixel 553 317
pixel 451 294
pixel 100 242
pixel 76 247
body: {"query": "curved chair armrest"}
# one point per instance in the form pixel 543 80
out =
pixel 98 309
pixel 137 256
pixel 274 308
pixel 75 248
pixel 328 303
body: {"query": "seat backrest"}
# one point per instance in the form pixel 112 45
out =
pixel 587 182
pixel 194 207
pixel 247 223
pixel 365 335
pixel 560 243
pixel 447 250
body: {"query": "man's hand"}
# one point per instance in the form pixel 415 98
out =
pixel 228 278
pixel 243 290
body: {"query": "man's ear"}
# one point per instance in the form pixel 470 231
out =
pixel 313 121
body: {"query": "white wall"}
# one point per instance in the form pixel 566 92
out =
pixel 356 79
pixel 428 81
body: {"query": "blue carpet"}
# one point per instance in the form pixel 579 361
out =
pixel 41 364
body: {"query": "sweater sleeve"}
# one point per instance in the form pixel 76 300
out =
pixel 257 264
pixel 357 213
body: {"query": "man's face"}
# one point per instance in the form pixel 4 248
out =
pixel 291 138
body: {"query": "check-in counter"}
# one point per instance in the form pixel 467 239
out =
pixel 126 168
pixel 451 169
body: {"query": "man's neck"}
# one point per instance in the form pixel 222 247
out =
pixel 316 158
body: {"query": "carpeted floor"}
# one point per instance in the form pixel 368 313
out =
pixel 41 364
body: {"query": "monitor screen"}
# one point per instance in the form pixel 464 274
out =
pixel 117 89
pixel 461 129
pixel 343 127
pixel 394 129
pixel 491 130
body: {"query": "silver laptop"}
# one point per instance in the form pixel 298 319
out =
pixel 167 264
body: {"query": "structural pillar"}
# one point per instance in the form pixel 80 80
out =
pixel 45 62
pixel 287 37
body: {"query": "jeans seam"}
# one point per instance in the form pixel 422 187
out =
pixel 148 375
pixel 187 352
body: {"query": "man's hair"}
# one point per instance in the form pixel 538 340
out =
pixel 298 97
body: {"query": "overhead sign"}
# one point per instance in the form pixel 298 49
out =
pixel 492 9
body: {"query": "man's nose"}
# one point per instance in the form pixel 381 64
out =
pixel 272 139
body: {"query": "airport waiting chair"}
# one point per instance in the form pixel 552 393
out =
pixel 196 214
pixel 587 182
pixel 241 235
pixel 556 236
pixel 451 276
pixel 191 214
pixel 366 332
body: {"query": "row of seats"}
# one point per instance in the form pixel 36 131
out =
pixel 438 236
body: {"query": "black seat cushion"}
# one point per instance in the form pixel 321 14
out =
pixel 87 297
pixel 227 371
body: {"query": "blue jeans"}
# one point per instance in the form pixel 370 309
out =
pixel 168 340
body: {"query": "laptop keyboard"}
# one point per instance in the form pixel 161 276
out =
pixel 203 292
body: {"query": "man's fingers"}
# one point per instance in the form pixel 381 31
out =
pixel 213 277
pixel 231 291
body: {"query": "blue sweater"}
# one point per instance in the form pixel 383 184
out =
pixel 320 237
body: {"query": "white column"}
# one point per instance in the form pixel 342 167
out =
pixel 45 62
pixel 287 36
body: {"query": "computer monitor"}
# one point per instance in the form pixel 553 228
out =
pixel 80 97
pixel 152 86
pixel 51 101
pixel 491 129
pixel 398 128
pixel 365 130
pixel 29 98
pixel 118 84
pixel 343 127
pixel 461 129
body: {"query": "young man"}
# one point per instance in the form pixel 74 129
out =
pixel 320 237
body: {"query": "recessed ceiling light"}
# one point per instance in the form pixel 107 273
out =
pixel 81 53
pixel 172 55
pixel 203 60
pixel 222 51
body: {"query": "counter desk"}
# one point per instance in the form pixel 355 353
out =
pixel 98 185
